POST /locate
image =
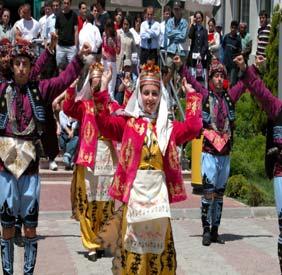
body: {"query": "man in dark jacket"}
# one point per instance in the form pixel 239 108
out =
pixel 232 47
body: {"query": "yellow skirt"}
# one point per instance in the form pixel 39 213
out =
pixel 92 215
pixel 129 263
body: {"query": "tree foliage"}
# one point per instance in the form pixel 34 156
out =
pixel 270 75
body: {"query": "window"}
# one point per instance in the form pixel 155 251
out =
pixel 241 10
pixel 265 5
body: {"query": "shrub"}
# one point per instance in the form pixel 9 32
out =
pixel 255 196
pixel 240 188
pixel 247 156
pixel 234 186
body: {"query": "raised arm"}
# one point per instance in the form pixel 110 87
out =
pixel 44 57
pixel 269 103
pixel 110 126
pixel 72 108
pixel 51 88
pixel 191 127
pixel 184 72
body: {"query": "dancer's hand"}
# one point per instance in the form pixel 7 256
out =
pixel 240 62
pixel 106 78
pixel 53 43
pixel 186 87
pixel 177 61
pixel 85 50
pixel 260 61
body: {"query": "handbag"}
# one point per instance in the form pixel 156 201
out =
pixel 199 70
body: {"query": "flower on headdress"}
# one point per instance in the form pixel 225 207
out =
pixel 23 48
pixel 150 74
pixel 5 46
pixel 150 68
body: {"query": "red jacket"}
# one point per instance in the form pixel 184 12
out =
pixel 131 132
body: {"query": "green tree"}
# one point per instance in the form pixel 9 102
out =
pixel 271 72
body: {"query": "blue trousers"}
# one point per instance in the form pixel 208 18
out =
pixel 215 173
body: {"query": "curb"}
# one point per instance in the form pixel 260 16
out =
pixel 188 213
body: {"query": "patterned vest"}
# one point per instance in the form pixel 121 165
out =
pixel 273 144
pixel 36 102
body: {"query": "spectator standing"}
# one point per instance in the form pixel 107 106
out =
pixel 127 43
pixel 95 13
pixel 125 84
pixel 51 21
pixel 246 41
pixel 149 33
pixel 232 47
pixel 118 18
pixel 110 50
pixel 27 28
pixel 103 15
pixel 263 33
pixel 1 8
pixel 197 58
pixel 82 7
pixel 5 26
pixel 213 40
pixel 163 41
pixel 66 28
pixel 176 32
pixel 135 30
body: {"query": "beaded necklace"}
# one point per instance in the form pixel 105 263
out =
pixel 10 97
pixel 226 127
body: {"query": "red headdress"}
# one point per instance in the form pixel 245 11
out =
pixel 23 47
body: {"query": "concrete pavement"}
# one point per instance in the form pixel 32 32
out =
pixel 250 248
pixel 250 235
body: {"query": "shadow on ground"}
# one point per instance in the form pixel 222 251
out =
pixel 234 237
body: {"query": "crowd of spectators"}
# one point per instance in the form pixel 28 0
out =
pixel 124 43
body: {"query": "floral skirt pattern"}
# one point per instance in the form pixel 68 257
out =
pixel 129 263
pixel 92 215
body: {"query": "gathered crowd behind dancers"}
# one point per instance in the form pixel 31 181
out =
pixel 126 148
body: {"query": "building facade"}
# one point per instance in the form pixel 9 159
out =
pixel 244 11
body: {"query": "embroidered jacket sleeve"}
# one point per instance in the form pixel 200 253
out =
pixel 177 35
pixel 270 103
pixel 72 108
pixel 51 88
pixel 110 126
pixel 184 72
pixel 191 127
pixel 237 90
pixel 39 64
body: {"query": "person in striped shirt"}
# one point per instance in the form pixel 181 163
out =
pixel 263 33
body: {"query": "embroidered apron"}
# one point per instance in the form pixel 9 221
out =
pixel 147 214
pixel 16 154
pixel 98 181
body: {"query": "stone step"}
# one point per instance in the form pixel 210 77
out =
pixel 60 175
pixel 44 163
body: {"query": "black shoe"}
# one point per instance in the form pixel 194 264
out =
pixel 92 256
pixel 215 238
pixel 100 253
pixel 206 238
pixel 18 237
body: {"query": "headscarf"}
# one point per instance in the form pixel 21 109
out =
pixel 134 107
